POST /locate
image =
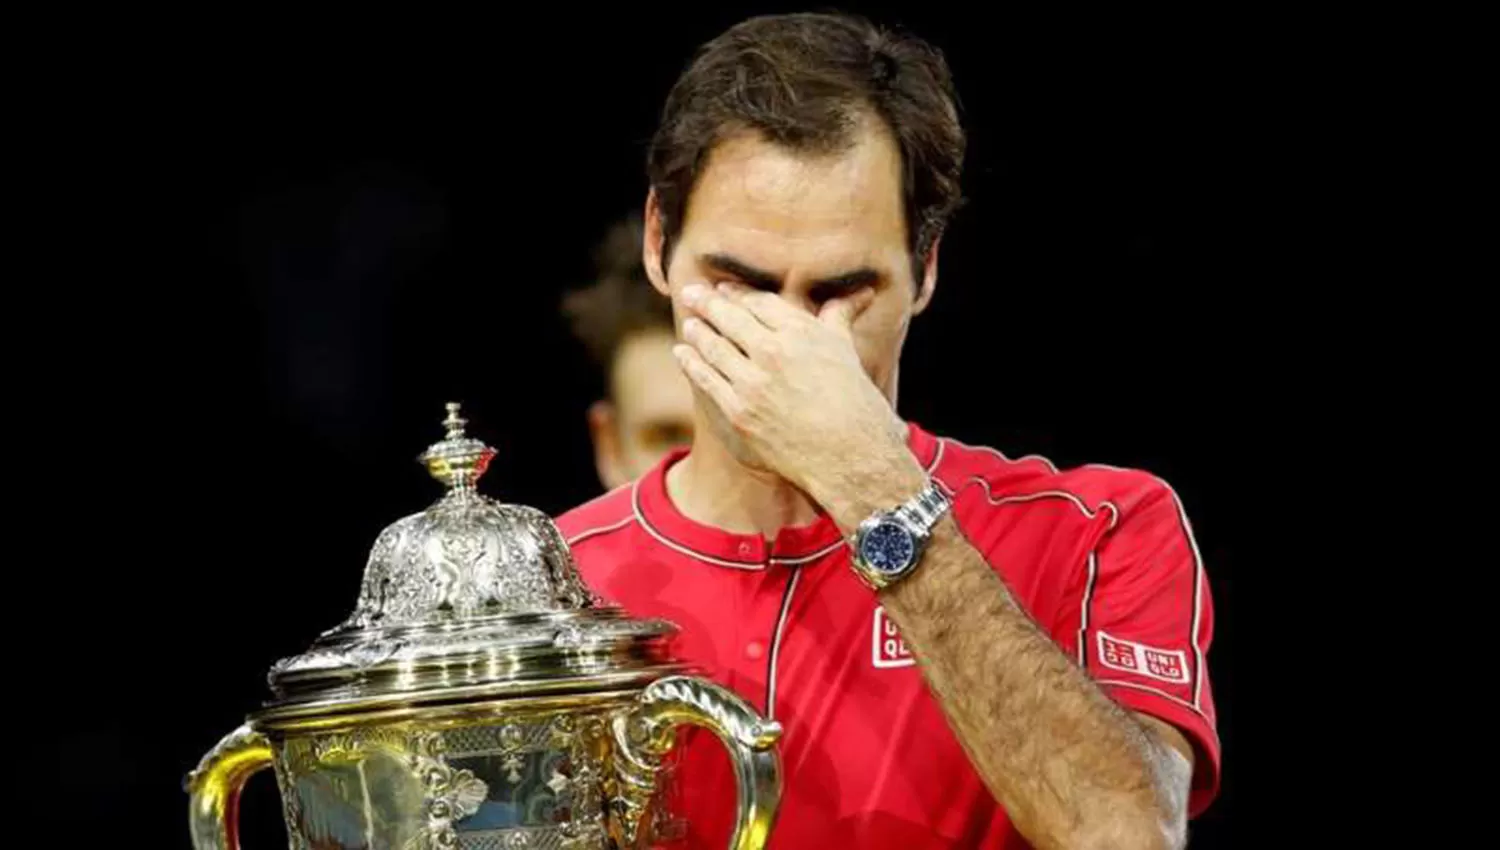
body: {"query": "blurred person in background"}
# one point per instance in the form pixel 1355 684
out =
pixel 626 326
pixel 963 649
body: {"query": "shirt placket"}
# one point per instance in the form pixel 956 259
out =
pixel 755 633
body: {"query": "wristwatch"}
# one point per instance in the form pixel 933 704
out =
pixel 888 546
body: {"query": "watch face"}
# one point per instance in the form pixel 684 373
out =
pixel 887 547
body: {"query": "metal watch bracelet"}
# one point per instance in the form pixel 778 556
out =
pixel 926 507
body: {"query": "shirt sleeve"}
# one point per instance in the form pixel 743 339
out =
pixel 1149 625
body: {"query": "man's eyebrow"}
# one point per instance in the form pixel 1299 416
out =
pixel 849 280
pixel 768 280
pixel 742 270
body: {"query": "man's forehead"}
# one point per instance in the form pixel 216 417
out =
pixel 803 243
pixel 801 215
pixel 789 189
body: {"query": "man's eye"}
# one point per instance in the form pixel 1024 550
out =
pixel 762 285
pixel 821 294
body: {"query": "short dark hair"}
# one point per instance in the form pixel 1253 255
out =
pixel 804 81
pixel 620 301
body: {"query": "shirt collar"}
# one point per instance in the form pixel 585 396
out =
pixel 792 546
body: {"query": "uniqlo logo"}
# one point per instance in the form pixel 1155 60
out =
pixel 1168 665
pixel 1117 653
pixel 887 648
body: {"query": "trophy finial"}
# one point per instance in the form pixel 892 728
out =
pixel 458 461
pixel 454 422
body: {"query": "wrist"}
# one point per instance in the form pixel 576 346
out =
pixel 851 493
pixel 890 543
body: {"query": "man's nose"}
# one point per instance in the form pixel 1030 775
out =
pixel 798 298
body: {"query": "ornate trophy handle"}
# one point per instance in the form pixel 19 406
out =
pixel 214 788
pixel 644 736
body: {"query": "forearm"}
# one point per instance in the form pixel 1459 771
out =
pixel 1069 765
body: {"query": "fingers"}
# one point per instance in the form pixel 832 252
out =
pixel 839 312
pixel 771 309
pixel 729 318
pixel 715 350
pixel 705 377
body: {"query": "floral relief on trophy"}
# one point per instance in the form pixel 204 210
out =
pixel 386 787
pixel 452 562
pixel 543 774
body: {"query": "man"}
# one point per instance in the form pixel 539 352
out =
pixel 627 328
pixel 1031 674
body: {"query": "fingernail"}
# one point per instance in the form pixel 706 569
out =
pixel 694 292
pixel 690 325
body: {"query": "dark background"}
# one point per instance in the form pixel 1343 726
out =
pixel 283 247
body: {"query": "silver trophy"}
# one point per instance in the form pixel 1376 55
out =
pixel 480 697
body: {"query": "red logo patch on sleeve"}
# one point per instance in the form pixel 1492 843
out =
pixel 1168 665
pixel 888 649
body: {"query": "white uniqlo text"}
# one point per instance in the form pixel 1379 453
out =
pixel 1168 665
pixel 888 649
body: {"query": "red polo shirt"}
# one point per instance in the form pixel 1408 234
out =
pixel 1103 558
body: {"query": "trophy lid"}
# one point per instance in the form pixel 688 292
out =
pixel 469 598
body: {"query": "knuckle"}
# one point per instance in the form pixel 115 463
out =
pixel 750 396
pixel 774 350
pixel 738 416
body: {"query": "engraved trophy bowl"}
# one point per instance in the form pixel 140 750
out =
pixel 479 697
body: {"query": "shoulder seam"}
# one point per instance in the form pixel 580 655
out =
pixel 1078 502
pixel 598 502
pixel 598 530
pixel 1074 498
pixel 1051 467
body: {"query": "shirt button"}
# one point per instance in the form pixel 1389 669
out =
pixel 745 550
pixel 754 650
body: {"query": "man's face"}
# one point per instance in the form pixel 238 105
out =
pixel 809 228
pixel 650 411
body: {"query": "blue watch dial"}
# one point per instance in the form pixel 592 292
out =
pixel 887 547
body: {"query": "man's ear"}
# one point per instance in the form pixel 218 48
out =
pixel 928 283
pixel 653 245
pixel 603 428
